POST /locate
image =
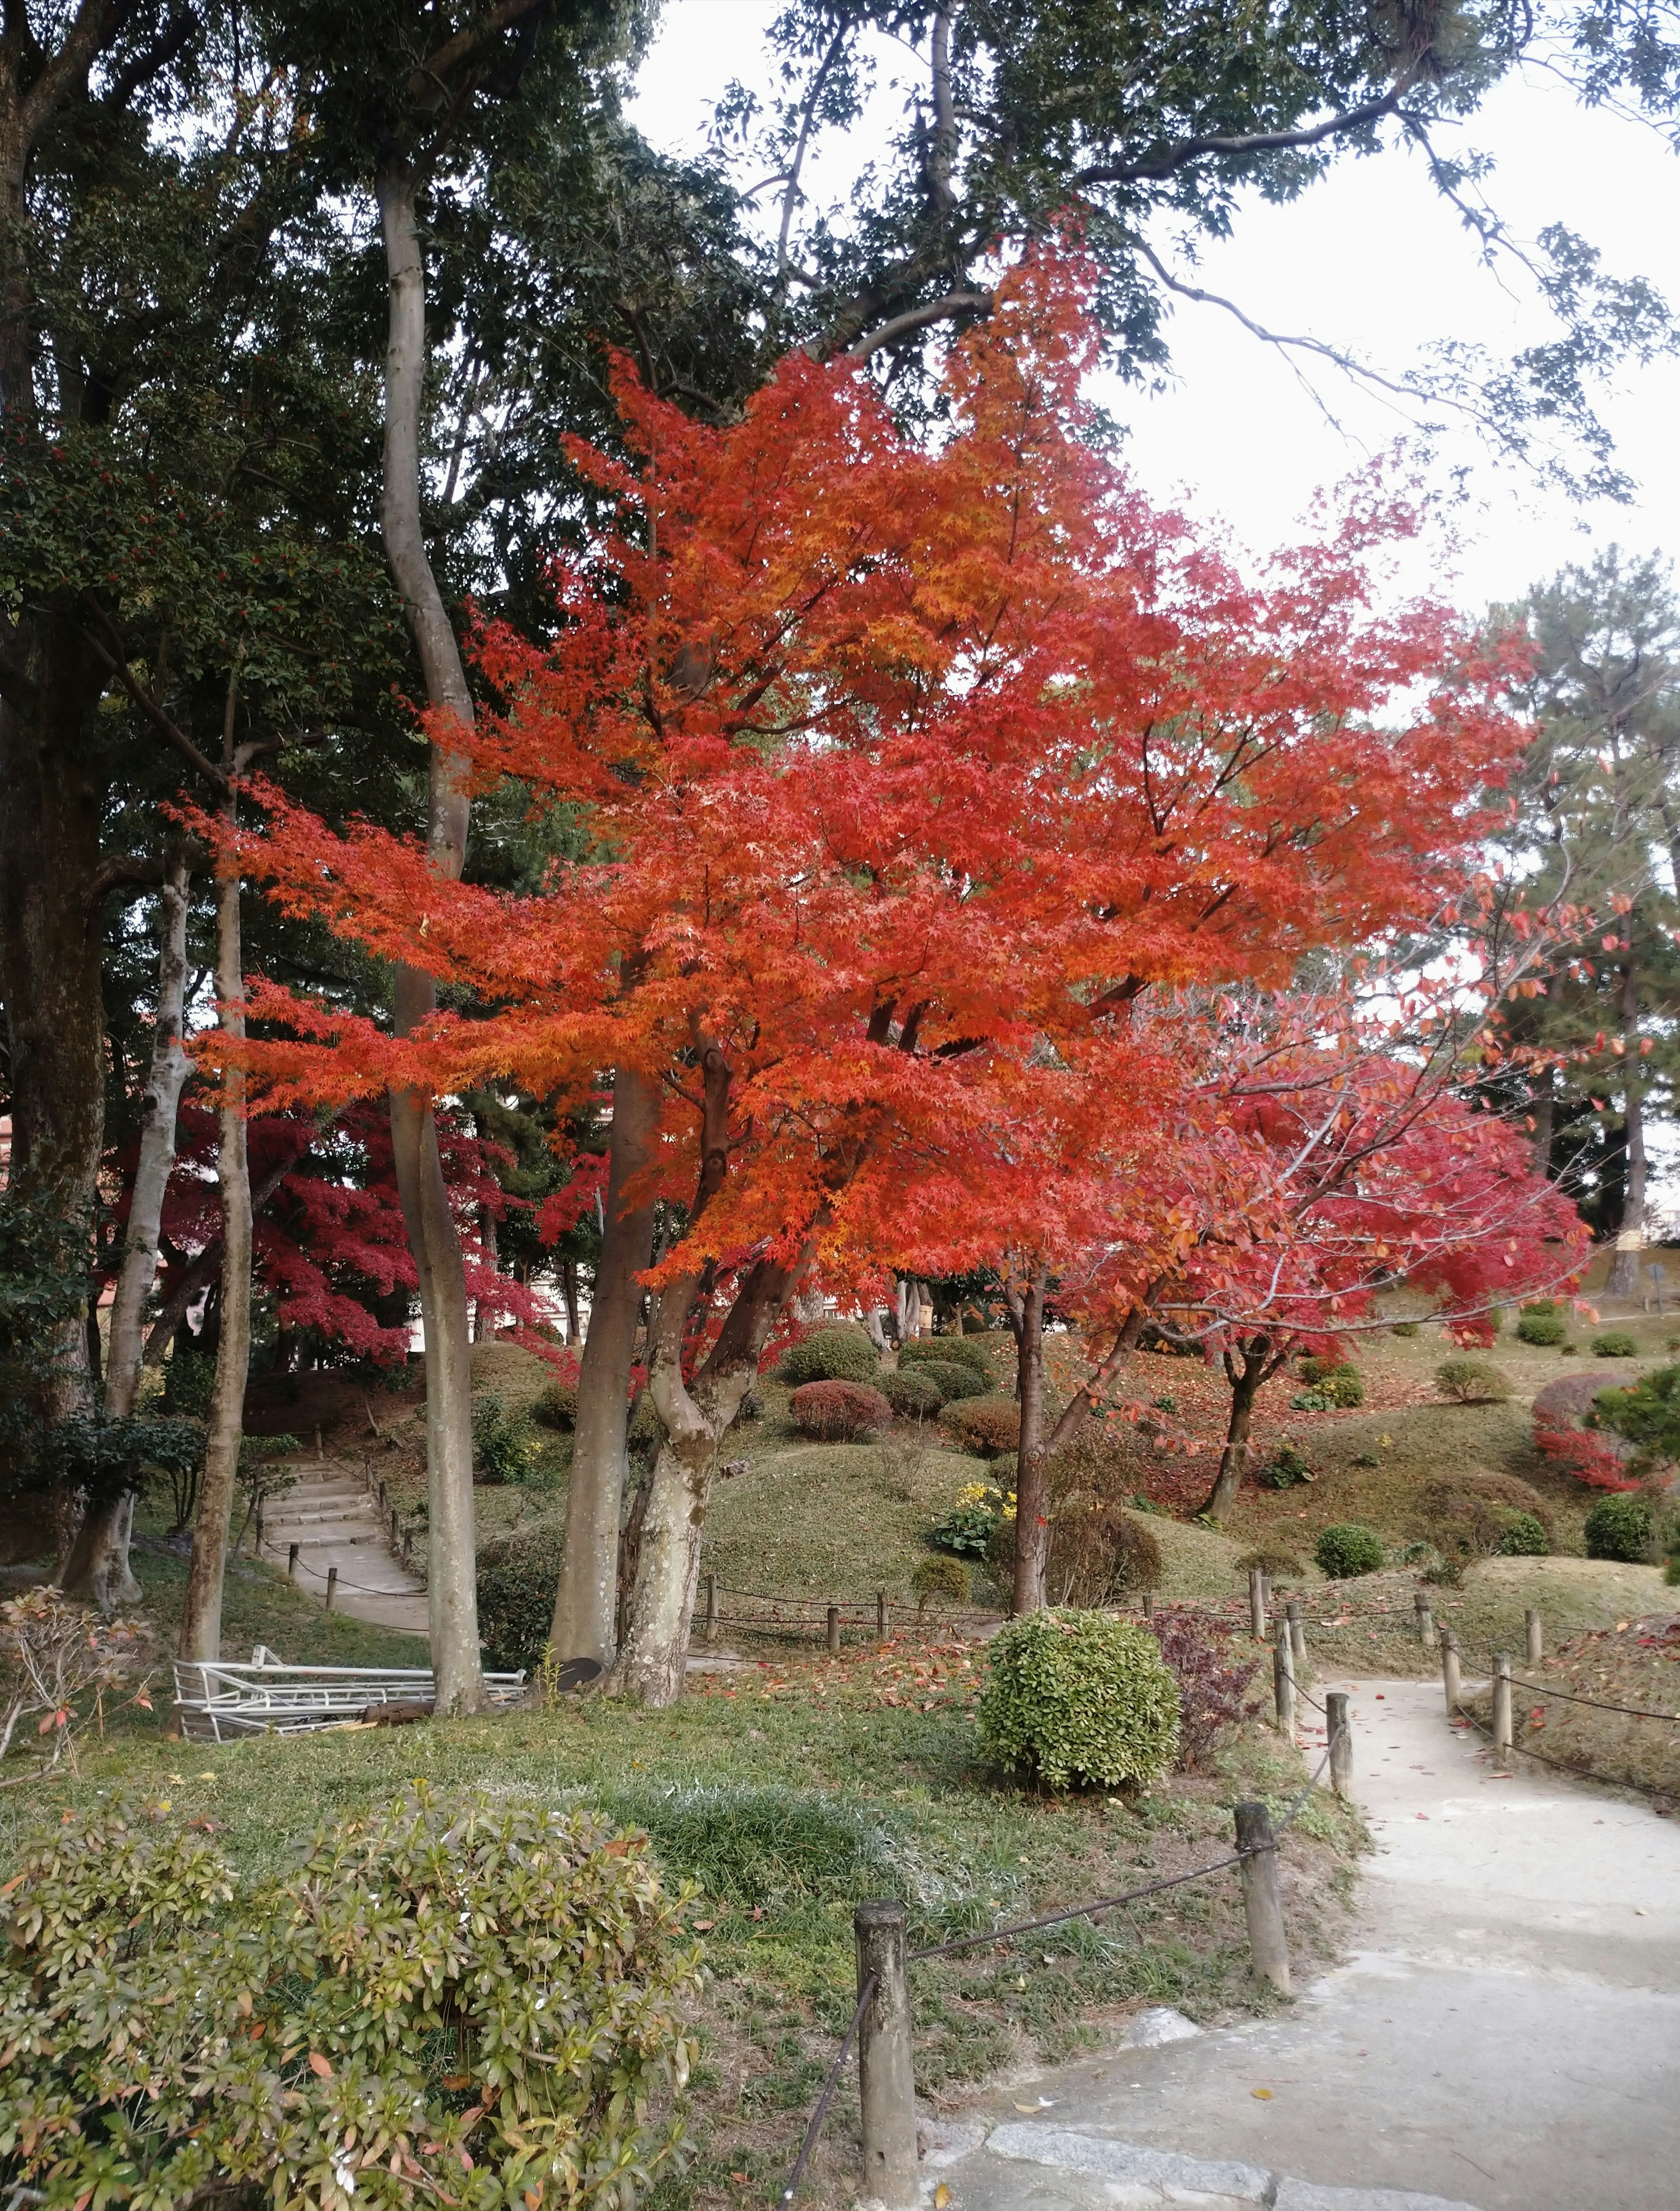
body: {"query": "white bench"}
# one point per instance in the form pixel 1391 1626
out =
pixel 218 1702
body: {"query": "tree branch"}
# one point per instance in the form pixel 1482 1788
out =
pixel 116 662
pixel 917 318
pixel 1168 164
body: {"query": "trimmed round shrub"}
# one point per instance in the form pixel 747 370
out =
pixel 1615 1343
pixel 987 1425
pixel 1619 1528
pixel 1346 1550
pixel 1467 1516
pixel 556 1407
pixel 1472 1381
pixel 831 1354
pixel 517 1574
pixel 1077 1699
pixel 952 1378
pixel 838 1412
pixel 1277 1563
pixel 1542 1330
pixel 1525 1537
pixel 914 1394
pixel 938 1577
pixel 531 2040
pixel 1407 1328
pixel 953 1350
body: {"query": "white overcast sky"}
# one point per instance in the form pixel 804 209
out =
pixel 1372 259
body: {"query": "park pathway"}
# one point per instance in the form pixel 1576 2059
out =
pixel 1505 2035
pixel 329 1516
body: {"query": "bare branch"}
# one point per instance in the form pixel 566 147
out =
pixel 918 319
pixel 1179 157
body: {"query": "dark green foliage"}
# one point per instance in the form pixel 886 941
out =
pixel 1647 1412
pixel 556 1407
pixel 838 1412
pixel 1273 1559
pixel 1468 1515
pixel 967 1351
pixel 1542 1330
pixel 1333 1384
pixel 1619 1527
pixel 1406 1327
pixel 1346 1550
pixel 1285 1469
pixel 831 1354
pixel 1472 1381
pixel 530 1958
pixel 952 1379
pixel 517 1576
pixel 939 1578
pixel 1076 1698
pixel 1615 1343
pixel 1524 1537
pixel 987 1425
pixel 505 1444
pixel 913 1393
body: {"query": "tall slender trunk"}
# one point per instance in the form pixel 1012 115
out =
pixel 1032 1518
pixel 1624 1273
pixel 585 1602
pixel 200 1633
pixel 569 1291
pixel 1544 1109
pixel 1254 1364
pixel 484 1314
pixel 97 1566
pixel 432 1236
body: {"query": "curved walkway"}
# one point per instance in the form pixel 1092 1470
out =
pixel 1506 2035
pixel 329 1516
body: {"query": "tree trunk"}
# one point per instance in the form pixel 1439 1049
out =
pixel 1032 1518
pixel 1244 1381
pixel 584 1603
pixel 484 1315
pixel 432 1235
pixel 1545 1122
pixel 569 1291
pixel 1624 1274
pixel 200 1633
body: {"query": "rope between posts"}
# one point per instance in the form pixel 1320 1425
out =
pixel 1562 1765
pixel 360 1589
pixel 815 2125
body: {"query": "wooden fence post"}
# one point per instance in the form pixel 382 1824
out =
pixel 880 1614
pixel 1257 1604
pixel 886 2082
pixel 1426 1634
pixel 1536 1646
pixel 1452 1680
pixel 1298 1636
pixel 1501 1708
pixel 1149 1604
pixel 332 1586
pixel 1282 1684
pixel 1267 1945
pixel 833 1629
pixel 711 1608
pixel 1341 1741
pixel 291 1551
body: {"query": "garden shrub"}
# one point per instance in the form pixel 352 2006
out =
pixel 1577 1425
pixel 1472 1381
pixel 1542 1330
pixel 939 1578
pixel 1407 1328
pixel 517 1575
pixel 1096 1549
pixel 968 1528
pixel 1285 1469
pixel 1525 1537
pixel 1467 1516
pixel 505 1443
pixel 1277 1563
pixel 1346 1550
pixel 1211 1685
pixel 556 1406
pixel 952 1378
pixel 1647 1414
pixel 458 1999
pixel 970 1351
pixel 1615 1343
pixel 831 1354
pixel 838 1412
pixel 985 1426
pixel 1619 1528
pixel 1078 1698
pixel 913 1393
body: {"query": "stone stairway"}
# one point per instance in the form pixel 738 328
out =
pixel 329 1516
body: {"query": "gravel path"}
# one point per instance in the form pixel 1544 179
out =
pixel 1506 2035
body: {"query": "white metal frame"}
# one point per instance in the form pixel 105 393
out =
pixel 217 1702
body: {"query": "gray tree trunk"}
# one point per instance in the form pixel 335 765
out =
pixel 1624 1274
pixel 1032 1519
pixel 432 1236
pixel 585 1601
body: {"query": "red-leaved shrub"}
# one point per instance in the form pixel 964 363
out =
pixel 1211 1686
pixel 838 1412
pixel 1561 1411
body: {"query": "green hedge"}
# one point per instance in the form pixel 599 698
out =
pixel 517 1576
pixel 831 1354
pixel 1076 1698
pixel 1619 1528
pixel 1345 1549
pixel 954 1350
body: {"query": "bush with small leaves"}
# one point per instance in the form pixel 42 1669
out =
pixel 914 1394
pixel 556 1406
pixel 517 1574
pixel 493 1995
pixel 505 1447
pixel 1542 1330
pixel 1407 1328
pixel 1472 1381
pixel 1344 1550
pixel 831 1354
pixel 950 1377
pixel 1212 1685
pixel 987 1425
pixel 1619 1528
pixel 939 1578
pixel 1277 1563
pixel 1096 1549
pixel 1525 1537
pixel 1077 1699
pixel 1615 1343
pixel 1467 1515
pixel 970 1351
pixel 838 1412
